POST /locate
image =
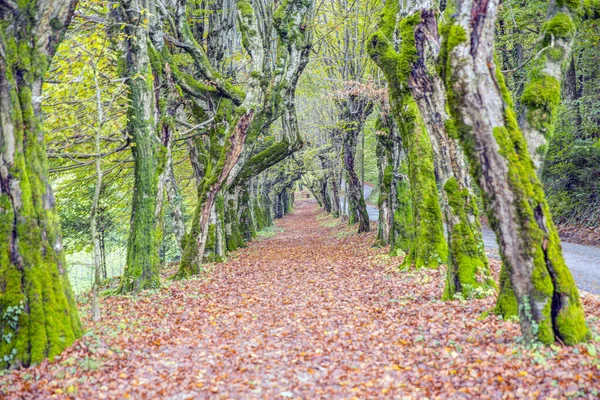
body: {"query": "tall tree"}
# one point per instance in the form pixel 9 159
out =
pixel 141 271
pixel 549 303
pixel 39 317
pixel 467 265
pixel 541 97
pixel 428 247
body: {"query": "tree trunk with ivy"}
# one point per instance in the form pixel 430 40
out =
pixel 548 300
pixel 141 271
pixel 38 315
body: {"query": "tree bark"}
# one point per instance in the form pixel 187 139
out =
pixel 549 303
pixel 355 112
pixel 541 95
pixel 39 315
pixel 141 271
pixel 387 177
pixel 467 267
pixel 428 247
pixel 96 315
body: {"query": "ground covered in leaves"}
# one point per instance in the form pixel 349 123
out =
pixel 312 312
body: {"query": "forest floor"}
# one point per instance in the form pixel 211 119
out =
pixel 312 312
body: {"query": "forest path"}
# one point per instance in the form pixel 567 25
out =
pixel 313 312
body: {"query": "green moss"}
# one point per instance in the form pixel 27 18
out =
pixel 553 289
pixel 38 316
pixel 468 270
pixel 245 8
pixel 408 52
pixel 141 271
pixel 506 304
pixel 561 26
pixel 428 247
pixel 541 96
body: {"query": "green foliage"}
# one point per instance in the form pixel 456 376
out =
pixel 571 168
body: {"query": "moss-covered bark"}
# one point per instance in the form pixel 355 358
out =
pixel 355 110
pixel 428 247
pixel 404 227
pixel 541 96
pixel 387 178
pixel 141 271
pixel 38 315
pixel 467 265
pixel 548 301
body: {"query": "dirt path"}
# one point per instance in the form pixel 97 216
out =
pixel 313 312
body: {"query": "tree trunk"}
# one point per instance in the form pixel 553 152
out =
pixel 191 262
pixel 385 165
pixel 428 247
pixel 353 119
pixel 540 100
pixel 467 267
pixel 96 316
pixel 541 95
pixel 141 271
pixel 549 304
pixel 39 315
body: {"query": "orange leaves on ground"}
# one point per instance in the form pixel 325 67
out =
pixel 314 312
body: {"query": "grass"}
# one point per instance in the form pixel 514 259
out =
pixel 268 232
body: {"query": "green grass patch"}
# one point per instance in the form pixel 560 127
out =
pixel 269 232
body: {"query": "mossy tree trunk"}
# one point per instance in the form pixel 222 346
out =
pixel 212 183
pixel 386 165
pixel 38 315
pixel 467 267
pixel 355 111
pixel 541 95
pixel 541 98
pixel 141 271
pixel 404 227
pixel 168 105
pixel 428 247
pixel 549 304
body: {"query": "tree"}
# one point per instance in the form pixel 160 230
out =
pixel 141 271
pixel 549 303
pixel 38 317
pixel 428 247
pixel 467 265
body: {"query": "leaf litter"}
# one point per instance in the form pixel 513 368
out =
pixel 312 312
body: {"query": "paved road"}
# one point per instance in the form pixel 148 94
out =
pixel 583 261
